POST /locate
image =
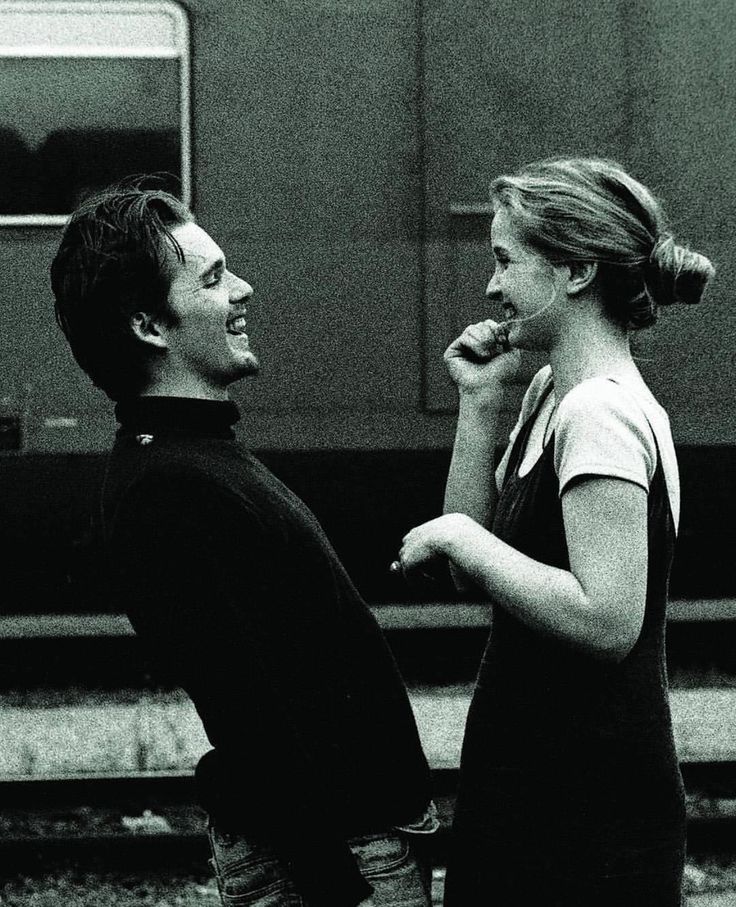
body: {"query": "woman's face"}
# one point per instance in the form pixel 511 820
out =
pixel 525 284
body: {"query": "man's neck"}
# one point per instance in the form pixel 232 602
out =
pixel 190 388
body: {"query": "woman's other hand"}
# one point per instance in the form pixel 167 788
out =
pixel 433 539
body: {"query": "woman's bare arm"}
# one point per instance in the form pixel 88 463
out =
pixel 597 605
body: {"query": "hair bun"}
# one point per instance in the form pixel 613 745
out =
pixel 676 274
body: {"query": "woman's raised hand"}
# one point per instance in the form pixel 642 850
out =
pixel 481 360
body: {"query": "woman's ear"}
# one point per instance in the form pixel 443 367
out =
pixel 147 329
pixel 582 275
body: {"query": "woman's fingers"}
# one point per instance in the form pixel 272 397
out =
pixel 480 342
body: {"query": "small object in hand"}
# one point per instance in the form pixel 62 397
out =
pixel 395 567
pixel 502 338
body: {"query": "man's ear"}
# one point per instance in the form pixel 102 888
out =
pixel 147 329
pixel 582 275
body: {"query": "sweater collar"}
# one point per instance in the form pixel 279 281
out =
pixel 177 415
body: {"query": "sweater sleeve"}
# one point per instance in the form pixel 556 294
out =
pixel 199 571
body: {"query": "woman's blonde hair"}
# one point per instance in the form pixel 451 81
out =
pixel 590 209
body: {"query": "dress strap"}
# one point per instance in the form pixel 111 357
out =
pixel 517 451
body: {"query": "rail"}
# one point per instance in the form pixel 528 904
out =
pixel 391 616
pixel 135 821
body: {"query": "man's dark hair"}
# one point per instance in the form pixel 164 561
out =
pixel 113 261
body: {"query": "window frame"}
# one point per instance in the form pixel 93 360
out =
pixel 18 42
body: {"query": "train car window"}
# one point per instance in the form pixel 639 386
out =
pixel 90 93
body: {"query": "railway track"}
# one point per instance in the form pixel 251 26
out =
pixel 146 820
pixel 133 822
pixel 143 821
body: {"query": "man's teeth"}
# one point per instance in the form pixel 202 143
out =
pixel 237 325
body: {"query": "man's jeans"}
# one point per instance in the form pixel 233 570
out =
pixel 250 874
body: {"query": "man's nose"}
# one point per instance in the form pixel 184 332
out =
pixel 239 289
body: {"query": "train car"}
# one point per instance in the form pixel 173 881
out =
pixel 340 153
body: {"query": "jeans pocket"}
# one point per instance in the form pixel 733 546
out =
pixel 390 866
pixel 250 875
pixel 378 856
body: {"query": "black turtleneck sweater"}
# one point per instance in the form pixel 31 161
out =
pixel 232 585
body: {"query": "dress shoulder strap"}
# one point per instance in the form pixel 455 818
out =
pixel 517 451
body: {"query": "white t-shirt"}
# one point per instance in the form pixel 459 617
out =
pixel 606 426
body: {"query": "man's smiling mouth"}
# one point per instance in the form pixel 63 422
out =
pixel 237 326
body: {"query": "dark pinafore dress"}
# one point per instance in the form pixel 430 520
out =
pixel 570 791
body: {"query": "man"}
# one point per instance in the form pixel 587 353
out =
pixel 316 779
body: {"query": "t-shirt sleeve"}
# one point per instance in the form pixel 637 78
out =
pixel 602 431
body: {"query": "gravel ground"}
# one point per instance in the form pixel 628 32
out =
pixel 708 883
pixel 711 884
pixel 87 890
pixel 71 889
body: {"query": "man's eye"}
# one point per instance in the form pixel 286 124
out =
pixel 214 280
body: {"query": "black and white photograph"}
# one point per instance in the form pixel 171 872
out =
pixel 367 453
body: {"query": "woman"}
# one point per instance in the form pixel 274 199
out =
pixel 570 792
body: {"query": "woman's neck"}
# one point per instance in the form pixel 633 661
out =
pixel 586 350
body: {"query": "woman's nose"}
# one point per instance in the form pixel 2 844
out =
pixel 493 291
